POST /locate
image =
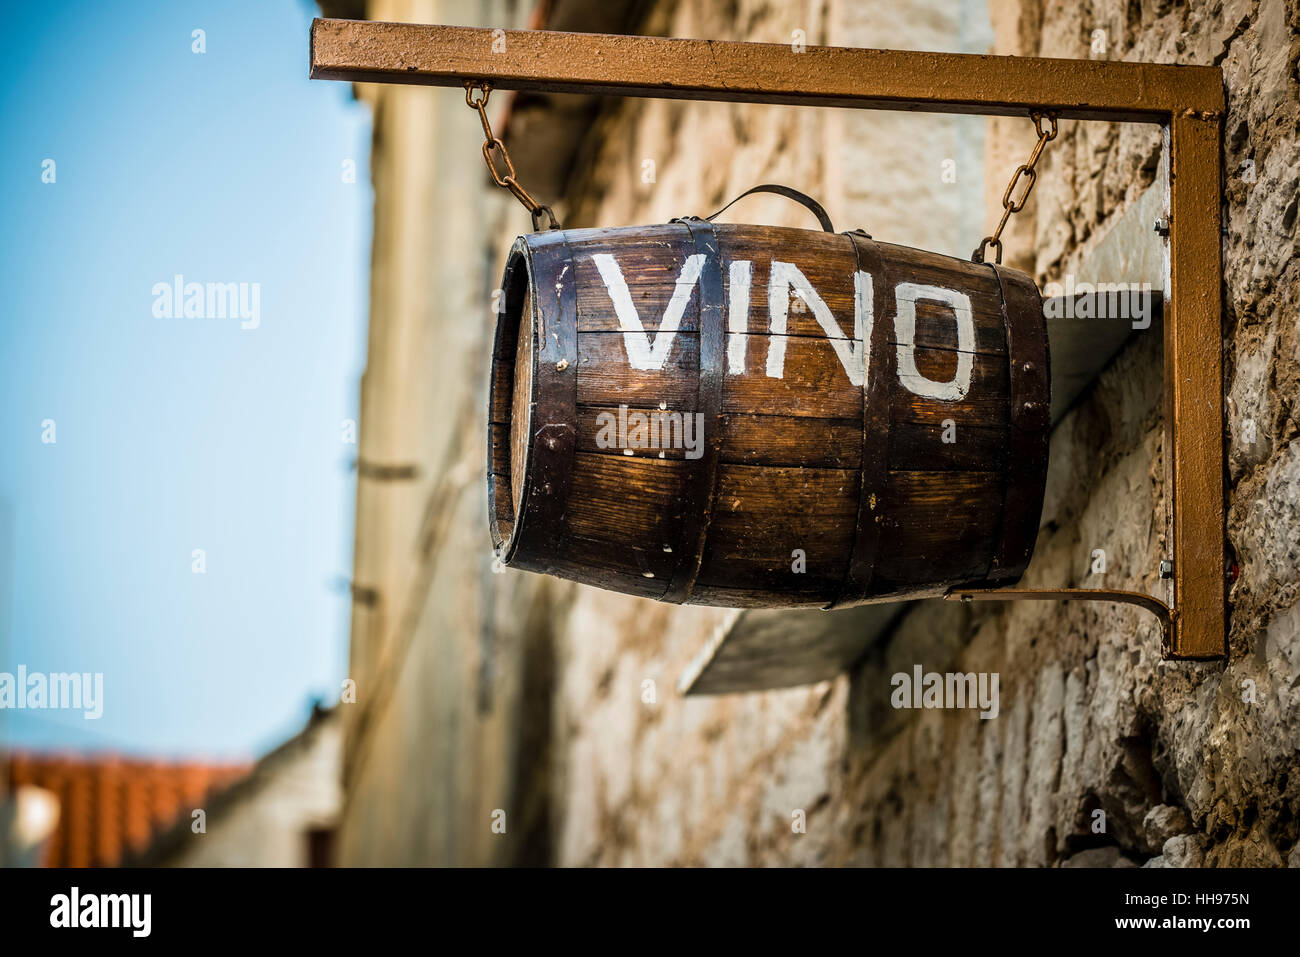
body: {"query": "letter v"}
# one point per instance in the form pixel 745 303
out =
pixel 641 354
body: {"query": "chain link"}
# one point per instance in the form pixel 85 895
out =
pixel 1009 203
pixel 492 144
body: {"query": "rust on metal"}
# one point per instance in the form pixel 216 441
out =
pixel 1142 600
pixel 1010 204
pixel 1193 446
pixel 689 69
pixel 493 144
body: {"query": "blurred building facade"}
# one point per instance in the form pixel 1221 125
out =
pixel 283 812
pixel 504 718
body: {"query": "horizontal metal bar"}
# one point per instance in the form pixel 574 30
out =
pixel 675 68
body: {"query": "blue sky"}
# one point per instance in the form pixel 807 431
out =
pixel 177 434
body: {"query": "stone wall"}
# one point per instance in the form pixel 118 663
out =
pixel 551 708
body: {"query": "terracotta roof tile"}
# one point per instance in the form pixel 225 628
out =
pixel 110 806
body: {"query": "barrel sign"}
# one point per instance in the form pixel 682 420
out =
pixel 753 416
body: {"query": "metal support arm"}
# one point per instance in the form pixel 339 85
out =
pixel 1187 101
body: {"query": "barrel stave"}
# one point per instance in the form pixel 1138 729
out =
pixel 765 514
pixel 939 529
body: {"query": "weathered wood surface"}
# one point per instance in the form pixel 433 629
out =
pixel 878 429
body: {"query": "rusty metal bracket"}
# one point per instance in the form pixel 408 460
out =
pixel 1163 612
pixel 1188 102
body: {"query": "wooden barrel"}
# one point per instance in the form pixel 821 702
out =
pixel 756 416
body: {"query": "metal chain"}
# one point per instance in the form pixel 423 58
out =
pixel 492 142
pixel 1010 205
